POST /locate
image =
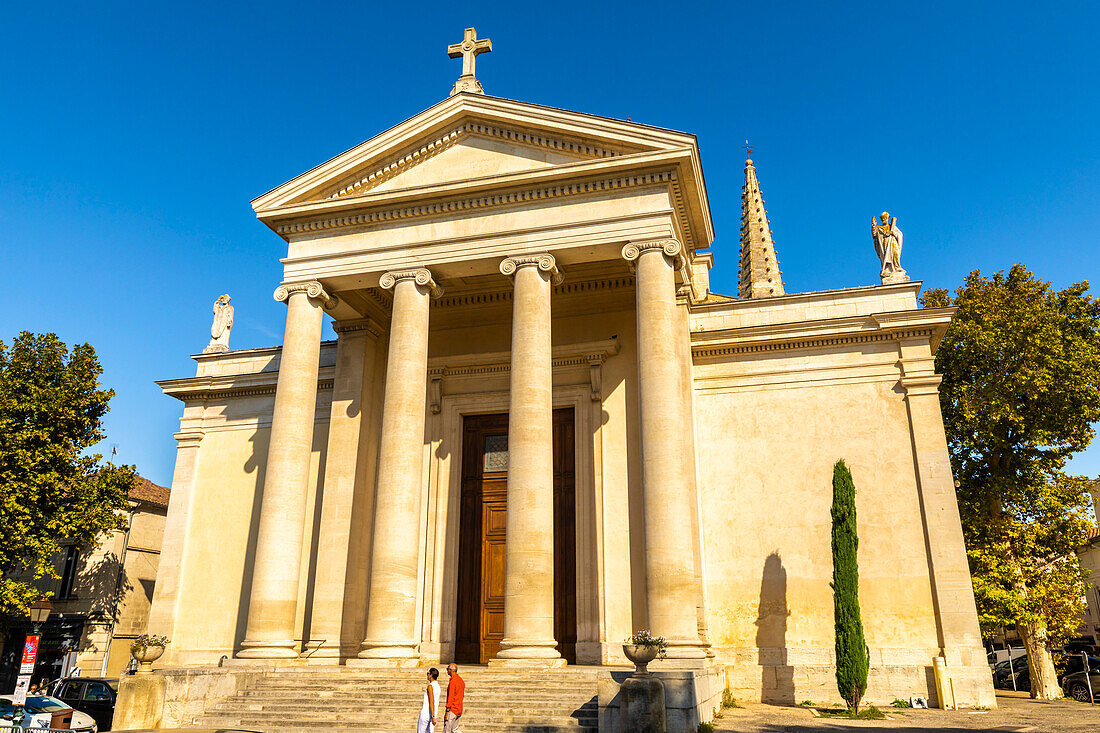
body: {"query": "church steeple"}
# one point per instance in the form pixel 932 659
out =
pixel 760 275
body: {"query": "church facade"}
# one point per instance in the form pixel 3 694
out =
pixel 539 431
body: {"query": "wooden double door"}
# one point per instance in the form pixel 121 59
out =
pixel 481 536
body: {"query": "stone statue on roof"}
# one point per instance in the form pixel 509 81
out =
pixel 222 325
pixel 887 239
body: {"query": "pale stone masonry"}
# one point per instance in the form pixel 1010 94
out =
pixel 760 274
pixel 494 257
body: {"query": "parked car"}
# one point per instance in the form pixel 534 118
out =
pixel 1003 674
pixel 43 704
pixel 92 695
pixel 1074 683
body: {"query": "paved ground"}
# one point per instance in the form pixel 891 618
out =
pixel 1015 712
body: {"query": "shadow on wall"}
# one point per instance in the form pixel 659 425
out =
pixel 777 683
pixel 256 463
pixel 105 585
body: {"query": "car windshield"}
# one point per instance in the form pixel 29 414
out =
pixel 113 684
pixel 43 704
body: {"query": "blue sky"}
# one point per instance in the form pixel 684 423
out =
pixel 133 136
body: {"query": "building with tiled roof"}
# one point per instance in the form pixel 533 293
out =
pixel 1089 556
pixel 101 599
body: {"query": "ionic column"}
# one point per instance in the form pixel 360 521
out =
pixel 529 538
pixel 272 607
pixel 391 608
pixel 670 578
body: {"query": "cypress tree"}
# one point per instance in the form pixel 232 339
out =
pixel 852 657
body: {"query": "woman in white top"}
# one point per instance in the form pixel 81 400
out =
pixel 426 724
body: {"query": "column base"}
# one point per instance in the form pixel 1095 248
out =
pixel 537 654
pixel 268 650
pixel 387 654
pixel 684 654
pixel 373 663
pixel 527 663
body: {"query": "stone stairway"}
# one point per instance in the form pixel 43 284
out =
pixel 340 699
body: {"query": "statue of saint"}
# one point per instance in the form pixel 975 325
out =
pixel 222 325
pixel 887 239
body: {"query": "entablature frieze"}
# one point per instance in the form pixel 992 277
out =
pixel 588 355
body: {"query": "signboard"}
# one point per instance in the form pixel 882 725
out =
pixel 30 653
pixel 19 697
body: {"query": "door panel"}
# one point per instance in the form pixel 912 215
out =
pixel 482 527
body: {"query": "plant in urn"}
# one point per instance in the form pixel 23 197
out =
pixel 147 649
pixel 642 696
pixel 641 648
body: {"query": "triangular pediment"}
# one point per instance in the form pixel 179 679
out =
pixel 469 137
pixel 469 151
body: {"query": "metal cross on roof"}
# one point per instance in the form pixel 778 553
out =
pixel 748 149
pixel 470 47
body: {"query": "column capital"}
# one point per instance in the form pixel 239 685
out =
pixel 633 250
pixel 545 262
pixel 189 438
pixel 422 276
pixel 311 288
pixel 369 325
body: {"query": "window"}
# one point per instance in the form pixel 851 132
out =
pixel 96 691
pixel 73 691
pixel 68 572
pixel 496 452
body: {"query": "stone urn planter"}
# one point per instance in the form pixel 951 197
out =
pixel 145 657
pixel 641 655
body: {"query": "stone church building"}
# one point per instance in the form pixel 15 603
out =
pixel 539 430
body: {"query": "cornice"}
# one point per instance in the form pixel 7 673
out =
pixel 379 212
pixel 232 385
pixel 818 334
pixel 813 296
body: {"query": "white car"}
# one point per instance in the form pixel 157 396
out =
pixel 40 708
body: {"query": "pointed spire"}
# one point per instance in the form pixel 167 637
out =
pixel 760 275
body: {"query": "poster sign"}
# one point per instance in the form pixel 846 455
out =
pixel 30 653
pixel 19 697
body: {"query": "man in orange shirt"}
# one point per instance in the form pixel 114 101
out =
pixel 456 690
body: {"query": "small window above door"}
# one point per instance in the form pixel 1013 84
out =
pixel 496 453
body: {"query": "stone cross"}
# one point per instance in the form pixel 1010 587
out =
pixel 470 47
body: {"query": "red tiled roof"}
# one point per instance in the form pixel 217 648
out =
pixel 148 492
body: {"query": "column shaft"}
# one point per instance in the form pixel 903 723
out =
pixel 529 537
pixel 670 576
pixel 391 637
pixel 271 632
pixel 339 587
pixel 162 614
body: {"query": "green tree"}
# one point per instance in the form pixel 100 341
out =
pixel 51 489
pixel 1020 391
pixel 852 657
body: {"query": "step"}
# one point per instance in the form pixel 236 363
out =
pixel 389 700
pixel 478 723
pixel 535 726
